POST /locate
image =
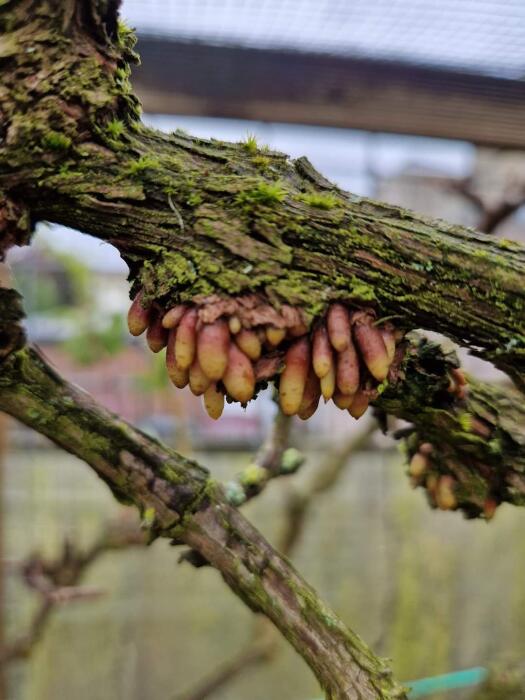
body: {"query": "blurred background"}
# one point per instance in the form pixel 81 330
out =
pixel 418 103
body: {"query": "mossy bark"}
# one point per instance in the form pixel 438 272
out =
pixel 194 217
pixel 478 439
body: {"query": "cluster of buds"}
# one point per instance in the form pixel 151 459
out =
pixel 231 348
pixel 443 489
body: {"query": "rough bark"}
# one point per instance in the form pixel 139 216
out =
pixel 477 438
pixel 194 217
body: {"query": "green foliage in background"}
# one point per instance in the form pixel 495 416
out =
pixel 91 345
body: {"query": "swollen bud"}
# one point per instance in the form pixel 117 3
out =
pixel 298 330
pixel 185 340
pixel 343 401
pixel 461 383
pixel 347 372
pixel 431 484
pixel 338 324
pixel 239 378
pixel 322 356
pixel 372 348
pixel 489 508
pixel 212 348
pixel 173 316
pixel 389 339
pixel 234 324
pixel 199 381
pixel 328 384
pixel 275 335
pixel 213 401
pixel 311 396
pixel 249 343
pixel 359 404
pixel 418 465
pixel 138 316
pixel 445 496
pixel 293 377
pixel 177 375
pixel 157 336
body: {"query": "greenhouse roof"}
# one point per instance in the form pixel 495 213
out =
pixel 480 36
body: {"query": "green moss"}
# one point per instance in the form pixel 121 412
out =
pixel 507 244
pixel 148 518
pixel 56 141
pixel 261 162
pixel 194 199
pixel 250 144
pixel 143 163
pixel 263 193
pixel 465 421
pixel 115 128
pixel 171 272
pixel 319 200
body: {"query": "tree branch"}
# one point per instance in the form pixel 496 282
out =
pixel 178 500
pixel 273 459
pixel 194 217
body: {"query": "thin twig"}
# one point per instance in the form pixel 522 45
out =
pixel 265 638
pixel 274 459
pixel 260 648
pixel 490 215
pixel 56 581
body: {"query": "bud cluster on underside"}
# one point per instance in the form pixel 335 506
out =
pixel 231 349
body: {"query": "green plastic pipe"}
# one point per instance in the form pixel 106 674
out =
pixel 448 681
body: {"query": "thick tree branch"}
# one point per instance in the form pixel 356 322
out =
pixel 195 217
pixel 178 500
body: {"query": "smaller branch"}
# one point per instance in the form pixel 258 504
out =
pixel 465 188
pixel 260 648
pixel 56 581
pixel 177 497
pixel 273 460
pixel 494 216
pixel 323 479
